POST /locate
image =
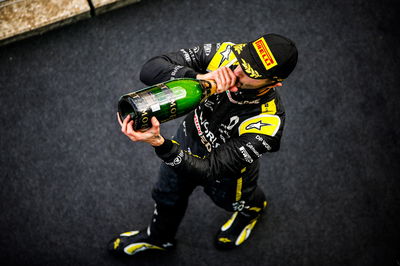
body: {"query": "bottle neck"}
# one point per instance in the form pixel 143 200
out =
pixel 210 86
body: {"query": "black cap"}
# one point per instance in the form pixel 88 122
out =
pixel 270 56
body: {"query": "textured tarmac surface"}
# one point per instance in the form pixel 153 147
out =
pixel 70 180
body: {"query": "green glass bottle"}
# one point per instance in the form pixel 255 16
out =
pixel 165 101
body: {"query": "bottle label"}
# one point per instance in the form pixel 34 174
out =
pixel 170 99
pixel 155 107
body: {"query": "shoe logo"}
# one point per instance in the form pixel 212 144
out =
pixel 224 240
pixel 138 247
pixel 116 243
pixel 167 245
pixel 238 205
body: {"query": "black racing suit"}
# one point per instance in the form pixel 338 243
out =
pixel 219 144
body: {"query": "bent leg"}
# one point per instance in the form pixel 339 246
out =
pixel 245 198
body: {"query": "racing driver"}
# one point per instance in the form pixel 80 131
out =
pixel 218 145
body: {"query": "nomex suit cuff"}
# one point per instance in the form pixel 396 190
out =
pixel 168 150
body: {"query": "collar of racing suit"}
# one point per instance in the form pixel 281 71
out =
pixel 255 96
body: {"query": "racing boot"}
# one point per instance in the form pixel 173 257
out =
pixel 159 235
pixel 238 228
pixel 133 242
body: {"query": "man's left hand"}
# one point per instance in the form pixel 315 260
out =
pixel 151 135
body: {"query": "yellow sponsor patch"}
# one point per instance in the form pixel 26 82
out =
pixel 262 124
pixel 269 107
pixel 265 54
pixel 222 57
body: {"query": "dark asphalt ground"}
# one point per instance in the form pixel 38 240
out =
pixel 70 180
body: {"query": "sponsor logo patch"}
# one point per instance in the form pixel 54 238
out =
pixel 225 54
pixel 222 57
pixel 186 55
pixel 266 145
pixel 177 160
pixel 251 147
pixel 265 54
pixel 175 70
pixel 239 205
pixel 261 124
pixel 258 125
pixel 207 48
pixel 245 154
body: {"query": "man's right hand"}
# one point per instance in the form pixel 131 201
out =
pixel 224 77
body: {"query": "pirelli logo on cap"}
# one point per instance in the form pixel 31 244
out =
pixel 265 54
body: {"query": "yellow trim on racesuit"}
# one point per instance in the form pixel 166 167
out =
pixel 239 188
pixel 239 185
pixel 222 57
pixel 194 155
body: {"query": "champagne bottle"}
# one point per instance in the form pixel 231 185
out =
pixel 165 101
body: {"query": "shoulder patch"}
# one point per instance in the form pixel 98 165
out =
pixel 261 124
pixel 269 107
pixel 222 57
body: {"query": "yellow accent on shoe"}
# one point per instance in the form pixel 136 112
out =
pixel 256 209
pixel 131 233
pixel 116 243
pixel 138 247
pixel 228 224
pixel 246 232
pixel 224 240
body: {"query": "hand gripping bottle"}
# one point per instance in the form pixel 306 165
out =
pixel 165 101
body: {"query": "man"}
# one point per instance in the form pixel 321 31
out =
pixel 218 144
